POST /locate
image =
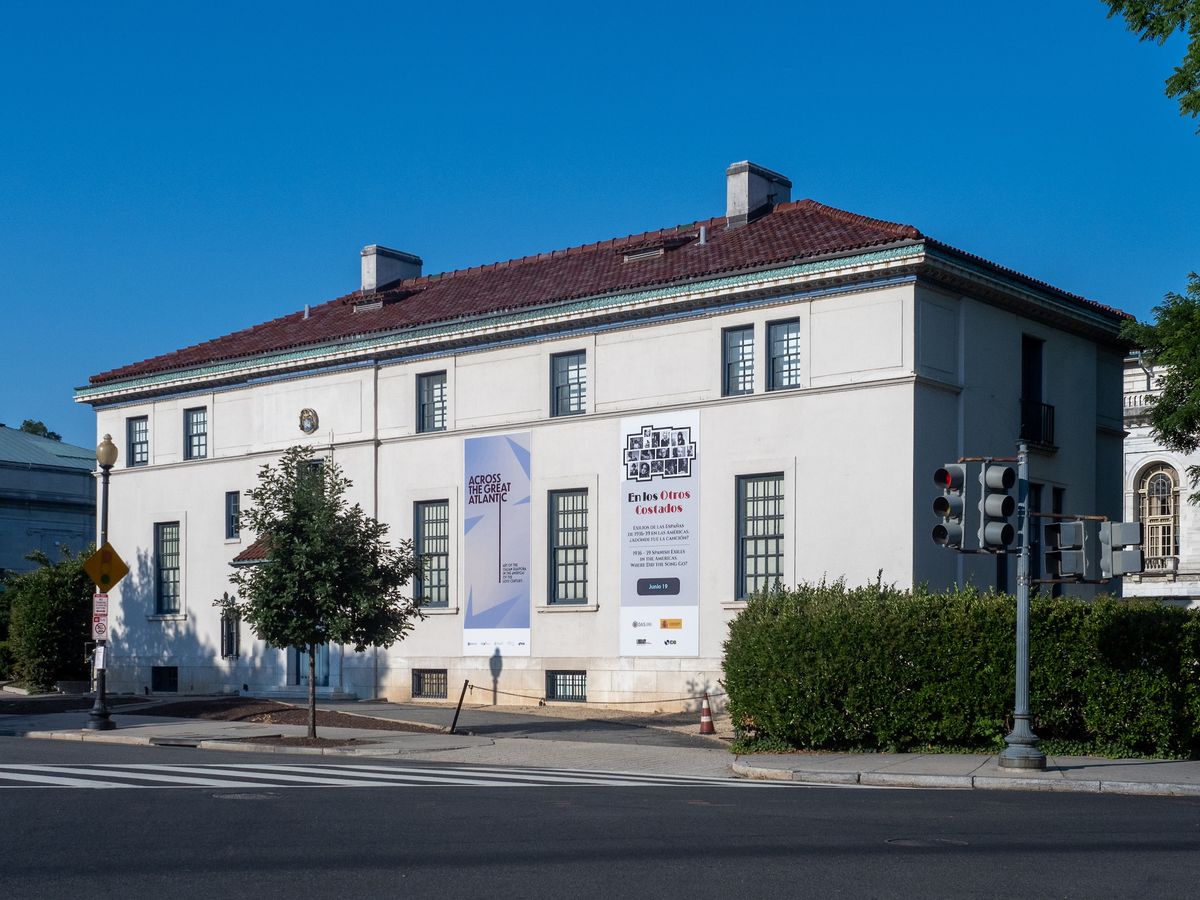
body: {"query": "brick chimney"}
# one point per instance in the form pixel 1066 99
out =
pixel 751 190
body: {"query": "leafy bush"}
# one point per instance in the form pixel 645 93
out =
pixel 49 620
pixel 5 661
pixel 876 668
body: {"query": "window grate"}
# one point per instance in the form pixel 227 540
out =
pixel 164 679
pixel 737 360
pixel 431 402
pixel 166 564
pixel 760 532
pixel 568 546
pixel 429 684
pixel 566 685
pixel 568 376
pixel 431 542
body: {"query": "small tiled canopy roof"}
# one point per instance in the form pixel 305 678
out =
pixel 255 553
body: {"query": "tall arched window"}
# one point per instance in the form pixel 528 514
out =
pixel 1159 495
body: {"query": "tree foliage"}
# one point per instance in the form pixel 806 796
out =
pixel 49 619
pixel 1172 343
pixel 329 575
pixel 1158 20
pixel 38 427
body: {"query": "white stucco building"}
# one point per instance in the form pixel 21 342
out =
pixel 1156 494
pixel 804 369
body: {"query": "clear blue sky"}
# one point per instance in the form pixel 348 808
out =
pixel 171 172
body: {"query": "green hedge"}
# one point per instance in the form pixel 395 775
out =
pixel 875 668
pixel 49 620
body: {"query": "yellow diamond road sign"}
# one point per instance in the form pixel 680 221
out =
pixel 105 568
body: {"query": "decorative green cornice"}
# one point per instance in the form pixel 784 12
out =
pixel 478 324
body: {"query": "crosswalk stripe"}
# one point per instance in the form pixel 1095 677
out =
pixel 269 775
pixel 112 772
pixel 460 776
pixel 280 772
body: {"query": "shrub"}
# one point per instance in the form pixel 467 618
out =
pixel 49 620
pixel 5 661
pixel 876 668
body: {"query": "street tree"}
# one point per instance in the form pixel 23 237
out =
pixel 329 575
pixel 1172 342
pixel 1158 20
pixel 38 427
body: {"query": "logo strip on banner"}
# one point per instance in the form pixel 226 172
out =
pixel 660 535
pixel 496 545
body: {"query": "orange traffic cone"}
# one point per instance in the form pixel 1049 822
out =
pixel 706 723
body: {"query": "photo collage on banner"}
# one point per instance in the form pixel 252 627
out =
pixel 496 545
pixel 660 535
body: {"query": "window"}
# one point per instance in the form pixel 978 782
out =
pixel 431 402
pixel 783 344
pixel 230 635
pixel 166 568
pixel 568 383
pixel 164 679
pixel 1037 418
pixel 568 549
pixel 737 361
pixel 137 441
pixel 431 539
pixel 195 433
pixel 564 685
pixel 233 505
pixel 1158 494
pixel 759 532
pixel 429 684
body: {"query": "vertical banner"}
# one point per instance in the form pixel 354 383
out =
pixel 496 545
pixel 660 535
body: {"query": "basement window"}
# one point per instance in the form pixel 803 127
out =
pixel 565 685
pixel 429 684
pixel 164 679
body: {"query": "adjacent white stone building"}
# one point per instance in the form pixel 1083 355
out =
pixel 1156 494
pixel 676 418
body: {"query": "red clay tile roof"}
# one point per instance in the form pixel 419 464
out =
pixel 792 230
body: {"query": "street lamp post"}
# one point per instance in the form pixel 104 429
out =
pixel 99 716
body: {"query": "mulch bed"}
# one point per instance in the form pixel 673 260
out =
pixel 279 741
pixel 271 712
pixel 48 704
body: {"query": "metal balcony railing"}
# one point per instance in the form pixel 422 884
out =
pixel 1037 422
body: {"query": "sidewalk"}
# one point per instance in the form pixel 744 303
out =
pixel 896 770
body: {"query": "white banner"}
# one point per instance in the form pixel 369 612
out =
pixel 660 535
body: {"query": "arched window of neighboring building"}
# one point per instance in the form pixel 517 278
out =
pixel 1159 496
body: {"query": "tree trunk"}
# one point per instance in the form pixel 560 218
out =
pixel 312 690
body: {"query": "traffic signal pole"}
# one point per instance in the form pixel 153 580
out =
pixel 1022 751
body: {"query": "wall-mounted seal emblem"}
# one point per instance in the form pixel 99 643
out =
pixel 308 420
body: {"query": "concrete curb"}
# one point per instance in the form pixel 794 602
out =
pixel 1050 783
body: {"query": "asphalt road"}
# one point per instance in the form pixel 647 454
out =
pixel 684 839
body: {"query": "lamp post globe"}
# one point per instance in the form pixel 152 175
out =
pixel 106 452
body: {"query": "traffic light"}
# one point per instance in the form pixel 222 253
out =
pixel 951 478
pixel 1115 561
pixel 1067 551
pixel 996 505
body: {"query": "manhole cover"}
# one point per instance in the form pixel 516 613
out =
pixel 246 795
pixel 926 842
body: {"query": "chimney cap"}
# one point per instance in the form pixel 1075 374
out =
pixel 388 252
pixel 755 169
